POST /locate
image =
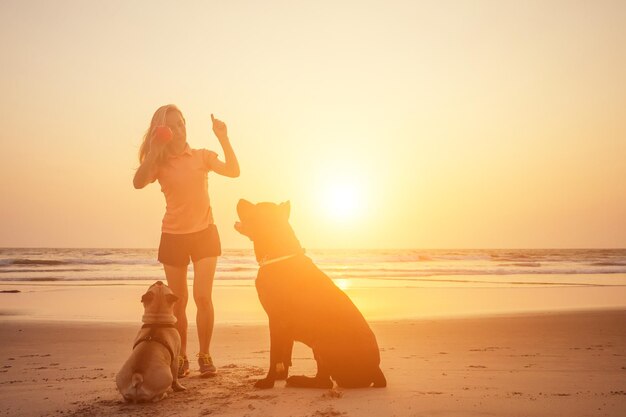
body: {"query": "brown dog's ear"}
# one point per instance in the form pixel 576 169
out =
pixel 147 297
pixel 171 298
pixel 244 209
pixel 285 209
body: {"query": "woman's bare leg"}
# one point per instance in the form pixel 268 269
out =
pixel 177 281
pixel 203 274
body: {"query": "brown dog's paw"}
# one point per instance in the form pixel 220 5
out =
pixel 159 397
pixel 264 383
pixel 301 381
pixel 177 387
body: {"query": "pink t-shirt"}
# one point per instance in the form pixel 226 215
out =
pixel 184 182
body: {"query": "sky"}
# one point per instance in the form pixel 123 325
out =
pixel 386 124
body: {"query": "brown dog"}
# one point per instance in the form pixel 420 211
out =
pixel 152 368
pixel 303 304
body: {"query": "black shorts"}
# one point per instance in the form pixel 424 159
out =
pixel 176 249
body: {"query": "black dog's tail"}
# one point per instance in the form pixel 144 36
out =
pixel 379 379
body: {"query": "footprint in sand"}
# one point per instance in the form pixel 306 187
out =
pixel 332 393
pixel 327 413
pixel 260 397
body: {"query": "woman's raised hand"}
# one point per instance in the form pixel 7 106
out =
pixel 219 128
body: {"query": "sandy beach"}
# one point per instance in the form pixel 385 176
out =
pixel 570 364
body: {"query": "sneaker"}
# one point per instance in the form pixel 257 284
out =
pixel 207 368
pixel 183 366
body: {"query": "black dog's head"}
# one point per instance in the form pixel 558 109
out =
pixel 262 220
pixel 267 225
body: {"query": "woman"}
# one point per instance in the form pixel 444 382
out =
pixel 188 231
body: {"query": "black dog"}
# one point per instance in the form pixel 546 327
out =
pixel 304 305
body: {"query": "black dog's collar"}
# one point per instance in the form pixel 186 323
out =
pixel 266 261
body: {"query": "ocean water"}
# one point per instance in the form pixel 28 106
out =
pixel 405 268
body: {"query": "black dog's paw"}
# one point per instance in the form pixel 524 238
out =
pixel 379 379
pixel 301 381
pixel 282 372
pixel 264 383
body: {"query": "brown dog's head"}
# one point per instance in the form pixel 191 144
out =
pixel 267 225
pixel 158 303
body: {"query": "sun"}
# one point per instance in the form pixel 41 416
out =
pixel 343 200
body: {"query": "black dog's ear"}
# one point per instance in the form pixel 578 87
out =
pixel 243 230
pixel 147 297
pixel 285 209
pixel 244 209
pixel 171 298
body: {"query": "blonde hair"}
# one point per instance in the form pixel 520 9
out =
pixel 158 119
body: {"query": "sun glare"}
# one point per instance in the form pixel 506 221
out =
pixel 342 283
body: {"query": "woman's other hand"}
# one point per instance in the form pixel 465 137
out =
pixel 161 136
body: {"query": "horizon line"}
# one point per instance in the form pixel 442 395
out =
pixel 332 248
